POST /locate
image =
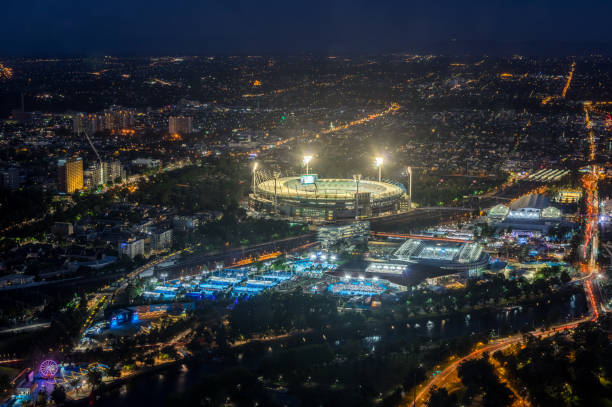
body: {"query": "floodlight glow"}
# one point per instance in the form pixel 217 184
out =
pixel 255 164
pixel 307 159
pixel 379 163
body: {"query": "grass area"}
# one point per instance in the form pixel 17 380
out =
pixel 8 371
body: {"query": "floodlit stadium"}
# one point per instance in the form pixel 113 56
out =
pixel 310 197
pixel 443 253
pixel 430 257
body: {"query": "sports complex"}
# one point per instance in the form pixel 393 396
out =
pixel 314 198
pixel 431 257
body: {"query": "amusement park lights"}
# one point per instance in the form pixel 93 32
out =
pixel 48 369
pixel 307 159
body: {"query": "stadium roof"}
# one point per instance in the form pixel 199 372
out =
pixel 340 189
pixel 499 211
pixel 536 201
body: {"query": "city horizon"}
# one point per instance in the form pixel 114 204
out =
pixel 341 203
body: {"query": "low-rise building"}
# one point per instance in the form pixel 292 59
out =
pixel 330 235
pixel 132 248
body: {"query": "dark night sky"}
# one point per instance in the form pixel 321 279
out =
pixel 86 27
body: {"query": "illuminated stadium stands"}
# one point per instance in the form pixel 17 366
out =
pixel 441 253
pixel 325 199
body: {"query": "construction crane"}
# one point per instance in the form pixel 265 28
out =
pixel 97 155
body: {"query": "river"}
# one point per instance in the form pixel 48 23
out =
pixel 157 388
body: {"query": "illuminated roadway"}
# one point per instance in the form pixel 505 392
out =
pixel 445 378
pixel 588 265
pixel 403 236
pixel 568 83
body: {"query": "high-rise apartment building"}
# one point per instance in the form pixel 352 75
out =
pixel 103 172
pixel 118 118
pixel 114 119
pixel 180 124
pixel 113 170
pixel 70 175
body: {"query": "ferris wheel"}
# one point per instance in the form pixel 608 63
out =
pixel 48 369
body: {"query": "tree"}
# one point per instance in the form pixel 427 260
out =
pixel 149 360
pixel 114 371
pixel 439 397
pixel 94 377
pixel 565 277
pixel 58 395
pixel 41 400
pixel 5 383
pixel 74 383
pixel 170 351
pixel 479 377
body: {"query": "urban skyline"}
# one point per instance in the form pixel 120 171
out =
pixel 355 204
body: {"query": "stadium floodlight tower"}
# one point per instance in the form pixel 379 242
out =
pixel 276 176
pixel 254 172
pixel 410 188
pixel 379 164
pixel 307 159
pixel 357 178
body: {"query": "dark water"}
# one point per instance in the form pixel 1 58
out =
pixel 156 389
pixel 529 316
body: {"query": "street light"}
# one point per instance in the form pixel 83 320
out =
pixel 379 163
pixel 307 159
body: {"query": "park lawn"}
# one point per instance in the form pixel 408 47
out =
pixel 9 371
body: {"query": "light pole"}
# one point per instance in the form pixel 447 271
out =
pixel 379 163
pixel 307 159
pixel 357 178
pixel 410 188
pixel 254 171
pixel 276 175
